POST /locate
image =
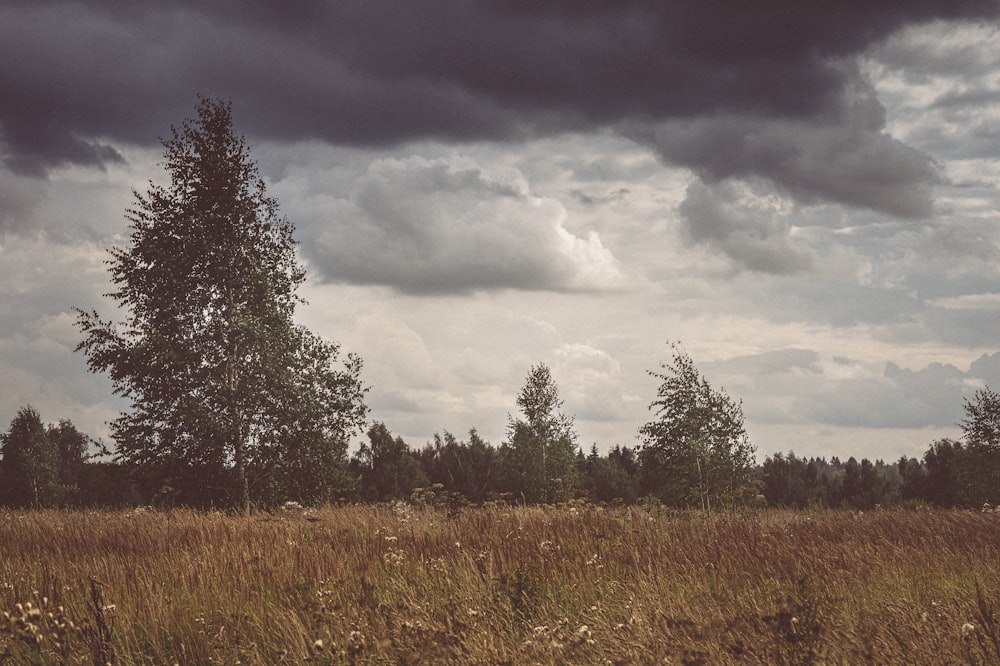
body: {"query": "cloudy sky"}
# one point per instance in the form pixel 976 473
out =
pixel 804 194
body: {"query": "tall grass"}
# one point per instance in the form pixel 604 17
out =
pixel 408 585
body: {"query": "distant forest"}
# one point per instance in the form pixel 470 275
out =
pixel 52 468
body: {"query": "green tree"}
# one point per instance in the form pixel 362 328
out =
pixel 786 480
pixel 30 463
pixel 226 391
pixel 387 467
pixel 72 447
pixel 944 463
pixel 913 476
pixel 980 466
pixel 539 457
pixel 609 478
pixel 468 468
pixel 864 485
pixel 697 450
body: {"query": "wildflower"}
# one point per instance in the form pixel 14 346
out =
pixel 583 634
pixel 968 629
pixel 318 645
pixel 355 642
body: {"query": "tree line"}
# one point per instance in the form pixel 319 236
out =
pixel 233 404
pixel 55 466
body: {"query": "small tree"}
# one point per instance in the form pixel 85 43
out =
pixel 697 450
pixel 30 463
pixel 539 457
pixel 73 449
pixel 227 393
pixel 980 464
pixel 387 467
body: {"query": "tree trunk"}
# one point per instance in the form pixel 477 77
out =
pixel 235 420
pixel 241 473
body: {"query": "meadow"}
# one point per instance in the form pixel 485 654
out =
pixel 528 585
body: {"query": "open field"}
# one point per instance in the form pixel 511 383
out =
pixel 495 585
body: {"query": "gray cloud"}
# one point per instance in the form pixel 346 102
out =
pixel 434 226
pixel 78 74
pixel 19 195
pixel 791 385
pixel 846 158
pixel 779 361
pixel 932 396
pixel 748 232
pixel 987 368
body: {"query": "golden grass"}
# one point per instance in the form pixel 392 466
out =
pixel 365 584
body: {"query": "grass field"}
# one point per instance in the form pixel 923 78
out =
pixel 581 585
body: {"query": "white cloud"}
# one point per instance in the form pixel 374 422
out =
pixel 450 225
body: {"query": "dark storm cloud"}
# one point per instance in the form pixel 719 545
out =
pixel 846 158
pixel 77 76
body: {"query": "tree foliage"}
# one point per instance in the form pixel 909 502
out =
pixel 539 457
pixel 980 470
pixel 386 466
pixel 229 397
pixel 30 463
pixel 610 478
pixel 467 468
pixel 697 450
pixel 73 450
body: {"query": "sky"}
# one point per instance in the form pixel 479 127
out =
pixel 805 195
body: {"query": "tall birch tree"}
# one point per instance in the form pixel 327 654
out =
pixel 229 396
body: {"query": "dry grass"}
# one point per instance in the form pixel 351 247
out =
pixel 493 586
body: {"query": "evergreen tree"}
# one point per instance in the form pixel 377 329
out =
pixel 227 393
